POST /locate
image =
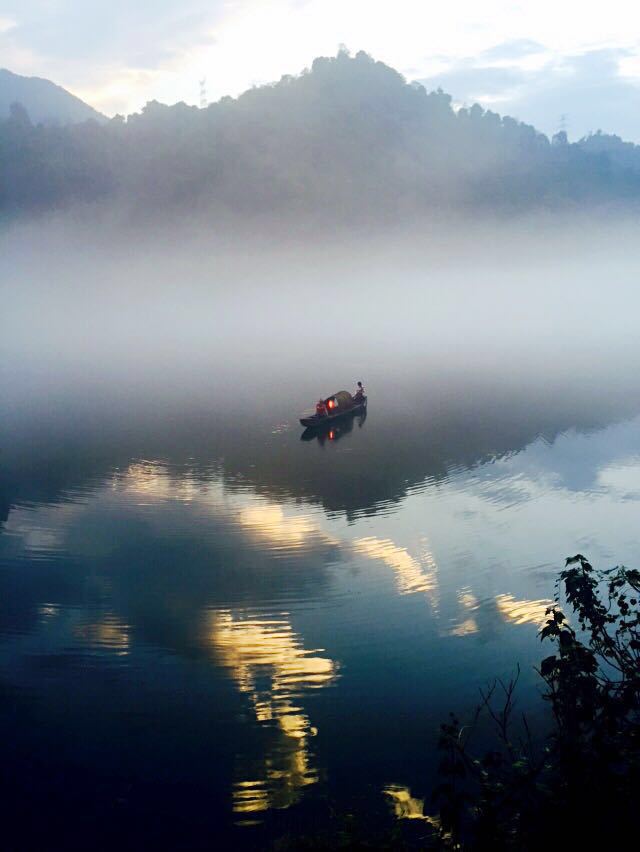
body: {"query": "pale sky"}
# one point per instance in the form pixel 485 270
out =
pixel 535 60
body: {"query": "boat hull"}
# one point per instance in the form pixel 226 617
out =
pixel 315 422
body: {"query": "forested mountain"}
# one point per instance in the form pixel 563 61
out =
pixel 347 139
pixel 45 102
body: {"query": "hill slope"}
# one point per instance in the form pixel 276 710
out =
pixel 44 101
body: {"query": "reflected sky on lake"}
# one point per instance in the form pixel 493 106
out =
pixel 208 615
pixel 156 568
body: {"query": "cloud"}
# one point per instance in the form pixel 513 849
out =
pixel 139 34
pixel 469 83
pixel 109 53
pixel 6 24
pixel 535 60
pixel 589 89
pixel 514 49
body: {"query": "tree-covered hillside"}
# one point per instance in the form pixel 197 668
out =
pixel 45 102
pixel 347 139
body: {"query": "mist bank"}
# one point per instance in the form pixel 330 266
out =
pixel 173 310
pixel 348 141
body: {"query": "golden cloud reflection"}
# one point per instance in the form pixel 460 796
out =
pixel 284 529
pixel 467 625
pixel 106 634
pixel 412 577
pixel 524 611
pixel 48 611
pixel 269 521
pixel 152 479
pixel 147 478
pixel 406 806
pixel 258 518
pixel 270 666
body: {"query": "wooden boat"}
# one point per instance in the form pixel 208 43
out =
pixel 338 405
pixel 334 430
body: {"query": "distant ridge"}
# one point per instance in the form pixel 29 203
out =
pixel 45 102
pixel 348 140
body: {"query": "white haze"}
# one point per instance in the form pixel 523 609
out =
pixel 181 309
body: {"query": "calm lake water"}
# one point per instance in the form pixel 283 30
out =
pixel 213 624
pixel 214 628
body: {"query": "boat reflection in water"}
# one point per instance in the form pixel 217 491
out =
pixel 335 429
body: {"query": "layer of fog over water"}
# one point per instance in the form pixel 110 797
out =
pixel 211 626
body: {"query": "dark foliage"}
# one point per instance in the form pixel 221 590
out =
pixel 348 139
pixel 581 785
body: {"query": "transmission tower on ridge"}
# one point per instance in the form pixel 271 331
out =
pixel 203 93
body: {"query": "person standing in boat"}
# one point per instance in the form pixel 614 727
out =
pixel 321 408
pixel 359 394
